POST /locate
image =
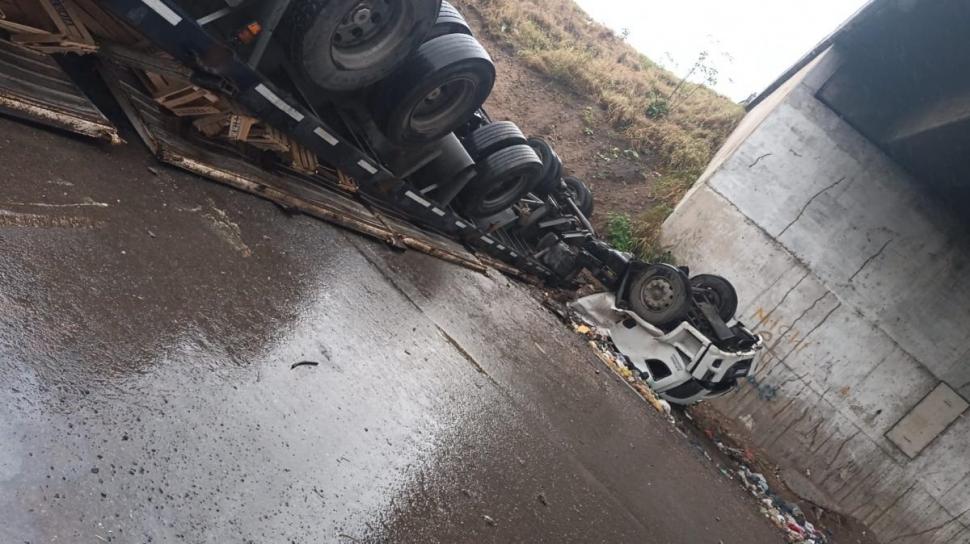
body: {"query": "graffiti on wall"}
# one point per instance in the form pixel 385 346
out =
pixel 781 342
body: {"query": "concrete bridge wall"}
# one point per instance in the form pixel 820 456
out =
pixel 857 279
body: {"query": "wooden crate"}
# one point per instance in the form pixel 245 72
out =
pixel 302 159
pixel 237 127
pixel 263 136
pixel 181 97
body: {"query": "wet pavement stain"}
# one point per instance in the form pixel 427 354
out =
pixel 149 395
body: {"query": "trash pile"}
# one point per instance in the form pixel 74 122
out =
pixel 787 516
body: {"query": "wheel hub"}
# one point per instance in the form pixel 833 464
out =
pixel 441 102
pixel 434 95
pixel 362 17
pixel 362 23
pixel 657 294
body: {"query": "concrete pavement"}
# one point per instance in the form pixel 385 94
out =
pixel 148 326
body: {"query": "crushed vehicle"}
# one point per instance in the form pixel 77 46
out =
pixel 368 114
pixel 685 359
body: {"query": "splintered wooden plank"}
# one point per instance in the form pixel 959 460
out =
pixel 17 28
pixel 303 159
pixel 212 125
pixel 34 87
pixel 65 18
pixel 50 26
pixel 105 24
pixel 240 127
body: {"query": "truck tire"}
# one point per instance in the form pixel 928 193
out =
pixel 492 137
pixel 450 21
pixel 344 45
pixel 436 90
pixel 580 194
pixel 504 177
pixel 719 292
pixel 661 295
pixel 551 177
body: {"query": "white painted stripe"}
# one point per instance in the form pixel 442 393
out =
pixel 438 211
pixel 513 254
pixel 460 225
pixel 368 167
pixel 164 11
pixel 488 240
pixel 418 199
pixel 278 102
pixel 500 247
pixel 327 137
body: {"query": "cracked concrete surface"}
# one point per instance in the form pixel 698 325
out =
pixel 855 276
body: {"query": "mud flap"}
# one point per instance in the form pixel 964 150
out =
pixel 34 87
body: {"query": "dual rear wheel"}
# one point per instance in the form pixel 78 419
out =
pixel 662 294
pixel 345 45
pixel 424 73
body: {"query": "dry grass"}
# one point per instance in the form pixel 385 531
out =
pixel 558 39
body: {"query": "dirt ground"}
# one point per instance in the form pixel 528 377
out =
pixel 576 127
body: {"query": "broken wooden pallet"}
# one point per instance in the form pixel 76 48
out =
pixel 217 117
pixel 48 26
pixel 322 195
pixel 182 98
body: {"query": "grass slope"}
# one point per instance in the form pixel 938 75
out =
pixel 677 125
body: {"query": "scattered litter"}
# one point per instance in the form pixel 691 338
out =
pixel 542 499
pixel 785 515
pixel 489 520
pixel 304 363
pixel 153 170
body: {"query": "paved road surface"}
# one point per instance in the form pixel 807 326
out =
pixel 148 324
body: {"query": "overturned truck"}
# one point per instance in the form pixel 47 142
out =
pixel 369 114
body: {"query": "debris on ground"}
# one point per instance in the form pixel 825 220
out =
pixel 785 515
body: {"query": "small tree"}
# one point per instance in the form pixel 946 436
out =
pixel 704 67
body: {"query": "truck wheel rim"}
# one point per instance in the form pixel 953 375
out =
pixel 439 106
pixel 512 183
pixel 367 29
pixel 657 294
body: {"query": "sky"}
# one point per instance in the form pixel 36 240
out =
pixel 750 42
